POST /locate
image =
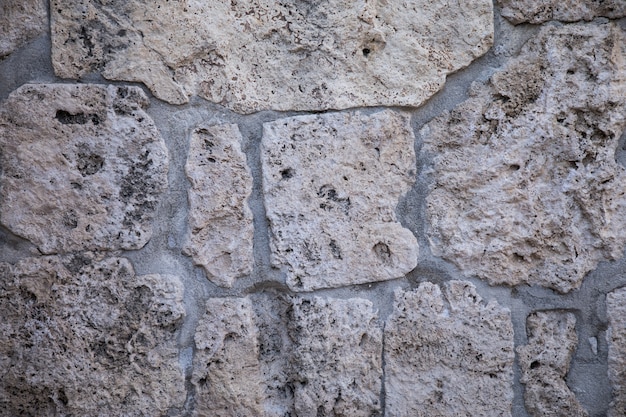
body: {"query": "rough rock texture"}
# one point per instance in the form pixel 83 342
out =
pixel 544 362
pixel 253 55
pixel 20 22
pixel 220 227
pixel 332 183
pixel 448 355
pixel 273 313
pixel 226 371
pixel 82 167
pixel 540 11
pixel 306 357
pixel 616 338
pixel 547 200
pixel 83 336
pixel 338 358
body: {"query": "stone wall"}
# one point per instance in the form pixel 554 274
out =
pixel 260 208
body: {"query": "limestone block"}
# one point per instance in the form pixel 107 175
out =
pixel 526 187
pixel 251 55
pixel 226 370
pixel 332 183
pixel 262 356
pixel 448 354
pixel 20 22
pixel 220 229
pixel 540 11
pixel 544 363
pixel 272 314
pixel 82 167
pixel 84 336
pixel 338 358
pixel 616 338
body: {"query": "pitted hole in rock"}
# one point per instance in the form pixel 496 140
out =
pixel 383 252
pixel 287 173
pixel 335 249
pixel 89 164
pixel 67 118
pixel 366 52
pixel 70 219
pixel 333 201
pixel 535 364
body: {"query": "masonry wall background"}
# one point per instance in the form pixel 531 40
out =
pixel 438 234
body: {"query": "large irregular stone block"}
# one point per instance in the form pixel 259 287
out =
pixel 544 362
pixel 254 55
pixel 20 22
pixel 338 358
pixel 220 229
pixel 332 183
pixel 448 355
pixel 526 186
pixel 82 167
pixel 305 357
pixel 540 11
pixel 226 370
pixel 616 338
pixel 84 336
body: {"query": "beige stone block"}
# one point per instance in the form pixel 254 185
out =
pixel 526 187
pixel 541 11
pixel 82 335
pixel 448 354
pixel 338 358
pixel 544 362
pixel 220 230
pixel 83 167
pixel 226 368
pixel 254 55
pixel 616 338
pixel 20 22
pixel 332 183
pixel 276 356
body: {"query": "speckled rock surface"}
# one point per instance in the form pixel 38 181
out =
pixel 332 183
pixel 448 354
pixel 82 167
pixel 545 361
pixel 220 231
pixel 616 338
pixel 84 336
pixel 254 55
pixel 226 371
pixel 265 356
pixel 540 11
pixel 548 200
pixel 20 22
pixel 338 358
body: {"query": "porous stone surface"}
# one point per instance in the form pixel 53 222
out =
pixel 220 230
pixel 265 356
pixel 547 200
pixel 544 363
pixel 540 11
pixel 226 368
pixel 337 358
pixel 254 55
pixel 448 354
pixel 616 338
pixel 332 183
pixel 20 22
pixel 82 167
pixel 81 335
